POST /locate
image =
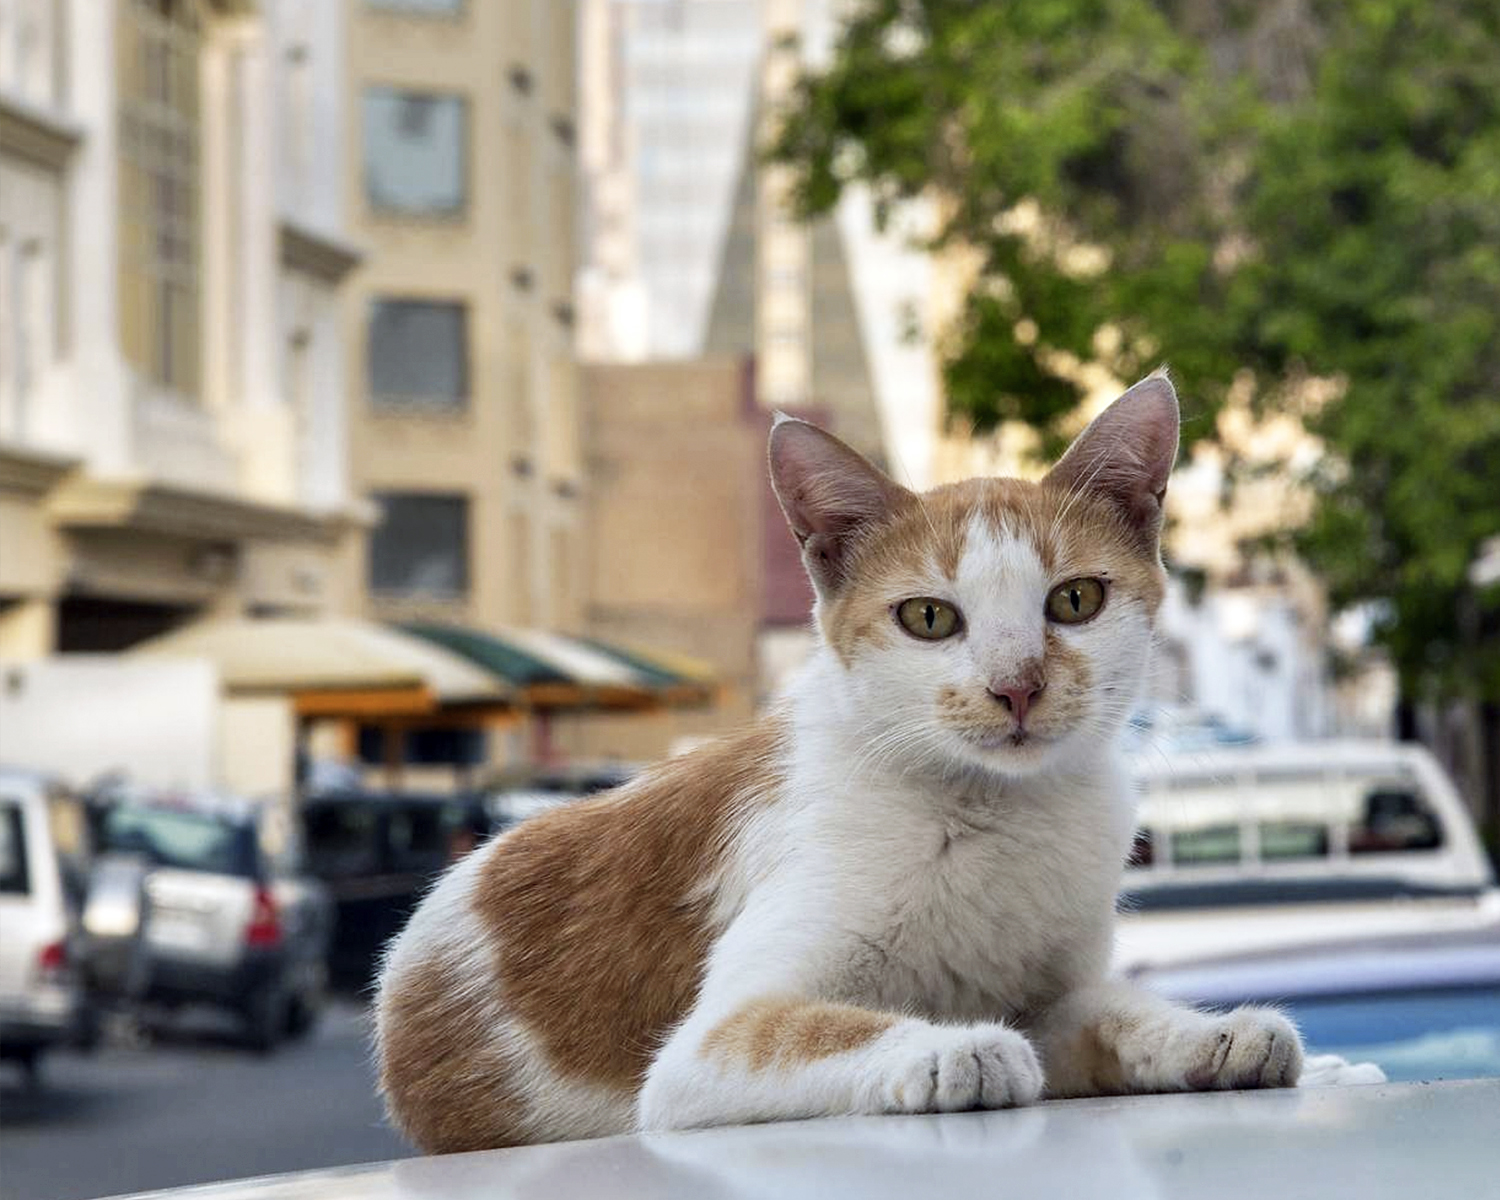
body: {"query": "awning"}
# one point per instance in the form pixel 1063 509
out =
pixel 681 679
pixel 555 672
pixel 335 666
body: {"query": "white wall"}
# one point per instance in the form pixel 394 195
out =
pixel 83 715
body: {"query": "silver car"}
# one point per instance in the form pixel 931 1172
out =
pixel 42 1004
pixel 231 920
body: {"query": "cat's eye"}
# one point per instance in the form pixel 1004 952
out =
pixel 929 619
pixel 1076 601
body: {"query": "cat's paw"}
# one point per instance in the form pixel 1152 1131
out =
pixel 1329 1070
pixel 1248 1048
pixel 953 1068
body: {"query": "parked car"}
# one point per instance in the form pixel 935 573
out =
pixel 377 853
pixel 1420 1006
pixel 42 1002
pixel 1271 846
pixel 233 921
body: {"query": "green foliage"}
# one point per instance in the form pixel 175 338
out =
pixel 1314 194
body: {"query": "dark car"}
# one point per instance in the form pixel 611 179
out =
pixel 377 853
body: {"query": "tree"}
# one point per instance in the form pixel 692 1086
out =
pixel 1293 190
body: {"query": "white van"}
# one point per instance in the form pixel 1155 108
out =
pixel 1270 846
pixel 41 1002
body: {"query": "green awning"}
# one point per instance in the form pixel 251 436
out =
pixel 556 672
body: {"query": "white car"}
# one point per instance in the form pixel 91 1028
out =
pixel 1276 846
pixel 41 999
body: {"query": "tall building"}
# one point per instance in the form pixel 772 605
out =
pixel 693 253
pixel 172 440
pixel 463 410
pixel 690 247
pixel 668 100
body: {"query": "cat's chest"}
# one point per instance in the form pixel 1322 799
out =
pixel 984 918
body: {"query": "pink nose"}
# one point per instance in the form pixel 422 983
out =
pixel 1017 697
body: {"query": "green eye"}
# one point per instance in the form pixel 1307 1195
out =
pixel 929 619
pixel 1074 602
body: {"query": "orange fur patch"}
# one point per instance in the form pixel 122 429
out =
pixel 1093 1064
pixel 785 1031
pixel 599 913
pixel 445 1086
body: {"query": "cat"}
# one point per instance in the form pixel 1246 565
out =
pixel 894 894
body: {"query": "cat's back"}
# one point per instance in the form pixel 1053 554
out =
pixel 524 999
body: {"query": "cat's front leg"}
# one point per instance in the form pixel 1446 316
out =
pixel 1115 1039
pixel 784 1056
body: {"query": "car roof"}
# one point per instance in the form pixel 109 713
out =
pixel 1385 1141
pixel 26 779
pixel 1343 753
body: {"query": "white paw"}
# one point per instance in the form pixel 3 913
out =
pixel 1329 1070
pixel 1248 1048
pixel 953 1068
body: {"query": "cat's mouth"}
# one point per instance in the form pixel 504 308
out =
pixel 1010 739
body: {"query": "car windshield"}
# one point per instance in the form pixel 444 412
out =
pixel 186 840
pixel 1410 1035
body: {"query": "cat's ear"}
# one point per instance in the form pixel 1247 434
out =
pixel 829 494
pixel 1126 454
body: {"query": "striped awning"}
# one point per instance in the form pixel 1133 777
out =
pixel 556 672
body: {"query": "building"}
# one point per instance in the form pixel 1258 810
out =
pixel 463 411
pixel 667 105
pixel 172 256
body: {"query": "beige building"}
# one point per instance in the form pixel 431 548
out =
pixel 676 517
pixel 171 356
pixel 463 405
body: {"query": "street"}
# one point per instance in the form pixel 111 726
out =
pixel 191 1108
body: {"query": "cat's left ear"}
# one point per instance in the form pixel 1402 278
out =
pixel 1126 454
pixel 830 495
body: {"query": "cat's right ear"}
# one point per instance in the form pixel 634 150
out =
pixel 829 494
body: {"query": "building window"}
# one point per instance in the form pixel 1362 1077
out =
pixel 418 354
pixel 419 8
pixel 421 545
pixel 416 149
pixel 157 48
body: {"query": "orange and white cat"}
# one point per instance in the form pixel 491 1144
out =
pixel 894 894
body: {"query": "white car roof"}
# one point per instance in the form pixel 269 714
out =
pixel 1340 753
pixel 1379 1141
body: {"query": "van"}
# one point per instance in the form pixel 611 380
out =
pixel 41 999
pixel 1253 847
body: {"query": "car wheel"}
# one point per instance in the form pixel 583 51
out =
pixel 30 1062
pixel 303 1013
pixel 266 1019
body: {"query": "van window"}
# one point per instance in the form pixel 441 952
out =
pixel 1284 841
pixel 15 878
pixel 1208 845
pixel 343 839
pixel 419 841
pixel 1394 817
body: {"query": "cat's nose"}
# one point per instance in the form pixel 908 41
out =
pixel 1016 696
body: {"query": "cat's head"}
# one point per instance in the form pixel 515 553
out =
pixel 994 622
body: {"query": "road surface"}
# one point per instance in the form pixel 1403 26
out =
pixel 191 1108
